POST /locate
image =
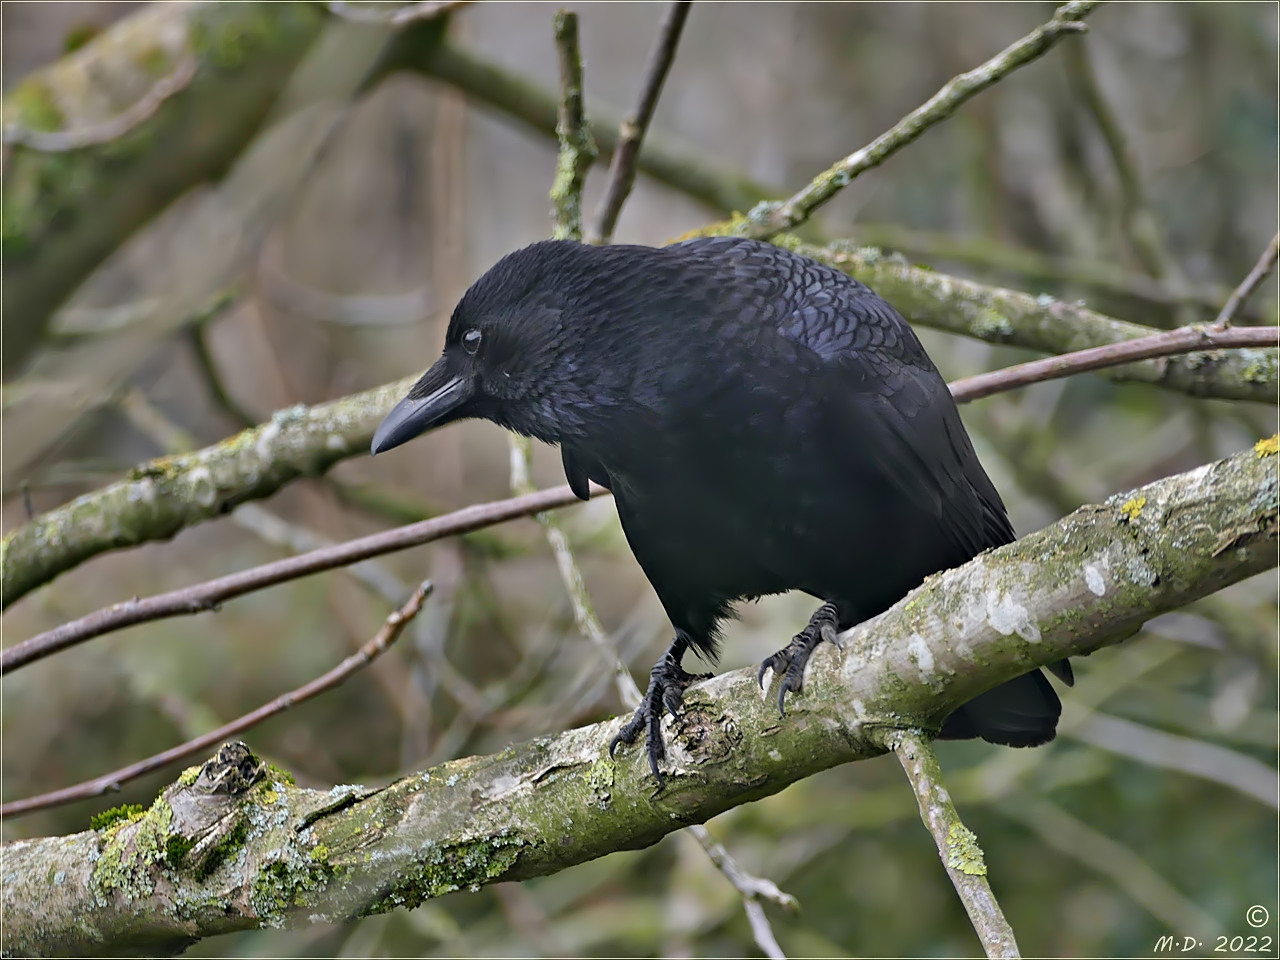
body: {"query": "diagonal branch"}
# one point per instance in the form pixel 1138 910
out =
pixel 766 219
pixel 379 644
pixel 1185 340
pixel 957 846
pixel 998 315
pixel 622 168
pixel 157 499
pixel 309 856
pixel 1261 270
pixel 208 595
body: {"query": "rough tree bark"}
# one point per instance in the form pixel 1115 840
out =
pixel 230 849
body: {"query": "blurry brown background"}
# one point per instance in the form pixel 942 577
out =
pixel 416 191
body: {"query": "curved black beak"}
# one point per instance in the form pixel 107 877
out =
pixel 435 400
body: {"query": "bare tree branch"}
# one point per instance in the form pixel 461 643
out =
pixel 306 856
pixel 1261 270
pixel 208 595
pixel 622 168
pixel 1185 340
pixel 766 219
pixel 957 846
pixel 720 189
pixel 61 141
pixel 577 148
pixel 1137 219
pixel 998 315
pixel 751 888
pixel 1096 277
pixel 379 644
pixel 159 498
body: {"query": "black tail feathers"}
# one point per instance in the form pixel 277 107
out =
pixel 1020 713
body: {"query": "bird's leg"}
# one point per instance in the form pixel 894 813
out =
pixel 667 683
pixel 789 662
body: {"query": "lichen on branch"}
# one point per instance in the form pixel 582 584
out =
pixel 309 856
pixel 159 498
pixel 1045 323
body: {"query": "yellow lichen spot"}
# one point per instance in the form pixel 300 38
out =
pixel 721 228
pixel 963 852
pixel 1267 447
pixel 1132 508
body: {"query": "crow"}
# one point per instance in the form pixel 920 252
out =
pixel 764 422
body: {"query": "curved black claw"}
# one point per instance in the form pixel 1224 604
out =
pixel 667 683
pixel 789 662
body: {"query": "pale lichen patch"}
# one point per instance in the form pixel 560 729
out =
pixel 918 650
pixel 1008 615
pixel 1094 580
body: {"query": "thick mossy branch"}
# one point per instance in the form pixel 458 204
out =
pixel 66 209
pixel 1044 323
pixel 295 856
pixel 161 497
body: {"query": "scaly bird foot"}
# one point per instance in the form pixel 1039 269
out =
pixel 789 662
pixel 667 683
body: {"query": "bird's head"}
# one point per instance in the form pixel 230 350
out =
pixel 514 351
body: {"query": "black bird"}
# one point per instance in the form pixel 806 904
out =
pixel 765 423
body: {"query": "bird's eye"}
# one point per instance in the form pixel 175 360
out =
pixel 471 341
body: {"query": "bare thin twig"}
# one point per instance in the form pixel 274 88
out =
pixel 622 168
pixel 1261 270
pixel 957 846
pixel 577 148
pixel 1184 340
pixel 210 594
pixel 753 890
pixel 62 141
pixel 1137 220
pixel 584 613
pixel 207 366
pixel 370 651
pixel 770 218
pixel 571 167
